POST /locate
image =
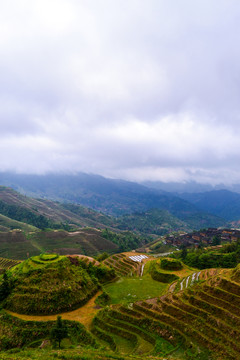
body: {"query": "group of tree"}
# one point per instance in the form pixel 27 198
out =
pixel 5 287
pixel 126 241
pixel 20 213
pixel 227 257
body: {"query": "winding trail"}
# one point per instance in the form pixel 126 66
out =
pixel 84 314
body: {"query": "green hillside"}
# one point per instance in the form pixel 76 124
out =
pixel 7 224
pixel 51 283
pixel 196 318
pixel 16 334
pixel 48 214
pixel 153 221
pixel 194 315
pixel 111 197
pixel 16 244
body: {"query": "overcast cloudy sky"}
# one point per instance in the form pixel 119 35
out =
pixel 133 89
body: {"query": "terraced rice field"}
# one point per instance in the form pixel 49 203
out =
pixel 192 279
pixel 7 263
pixel 123 265
pixel 205 315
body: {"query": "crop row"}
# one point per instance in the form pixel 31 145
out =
pixel 202 311
pixel 186 328
pixel 7 263
pixel 127 321
pixel 205 316
pixel 122 265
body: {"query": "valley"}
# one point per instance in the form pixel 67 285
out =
pixel 128 282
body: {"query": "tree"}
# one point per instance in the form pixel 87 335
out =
pixel 184 253
pixel 59 332
pixel 4 287
pixel 216 240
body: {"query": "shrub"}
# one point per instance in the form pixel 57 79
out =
pixel 171 264
pixel 163 277
pixel 103 299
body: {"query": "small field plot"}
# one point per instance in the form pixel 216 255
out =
pixel 134 289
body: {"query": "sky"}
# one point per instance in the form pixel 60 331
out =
pixel 132 89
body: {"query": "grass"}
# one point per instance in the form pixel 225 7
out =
pixel 34 263
pixel 16 245
pixel 185 271
pixel 123 345
pixel 79 353
pixel 7 224
pixel 20 245
pixel 50 284
pixel 128 290
pixel 84 314
pixel 195 313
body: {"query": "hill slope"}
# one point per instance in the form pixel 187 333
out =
pixel 223 203
pixel 193 315
pixel 7 223
pixel 198 318
pixel 49 284
pixel 112 197
pixel 20 207
pixel 153 221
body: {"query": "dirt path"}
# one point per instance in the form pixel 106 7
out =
pixel 84 314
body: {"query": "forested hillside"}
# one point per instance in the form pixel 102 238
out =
pixel 111 197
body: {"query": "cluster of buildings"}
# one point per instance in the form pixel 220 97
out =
pixel 211 236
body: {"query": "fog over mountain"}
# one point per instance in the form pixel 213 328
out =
pixel 138 90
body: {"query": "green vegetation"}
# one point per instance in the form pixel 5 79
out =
pixel 103 299
pixel 5 287
pixel 162 276
pixel 17 245
pixel 154 221
pixel 80 353
pixel 197 323
pixel 228 256
pixel 196 317
pixel 7 263
pixel 154 309
pixel 86 241
pixel 59 331
pixel 236 274
pixel 157 246
pixel 52 284
pixel 16 333
pixel 122 265
pixel 126 241
pixel 102 257
pixel 7 224
pixel 53 214
pixel 48 257
pixel 128 290
pixel 24 215
pixel 171 264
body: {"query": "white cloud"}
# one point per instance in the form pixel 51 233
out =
pixel 134 89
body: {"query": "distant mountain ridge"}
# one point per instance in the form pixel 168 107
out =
pixel 111 197
pixel 189 186
pixel 223 203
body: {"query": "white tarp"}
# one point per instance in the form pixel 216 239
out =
pixel 138 258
